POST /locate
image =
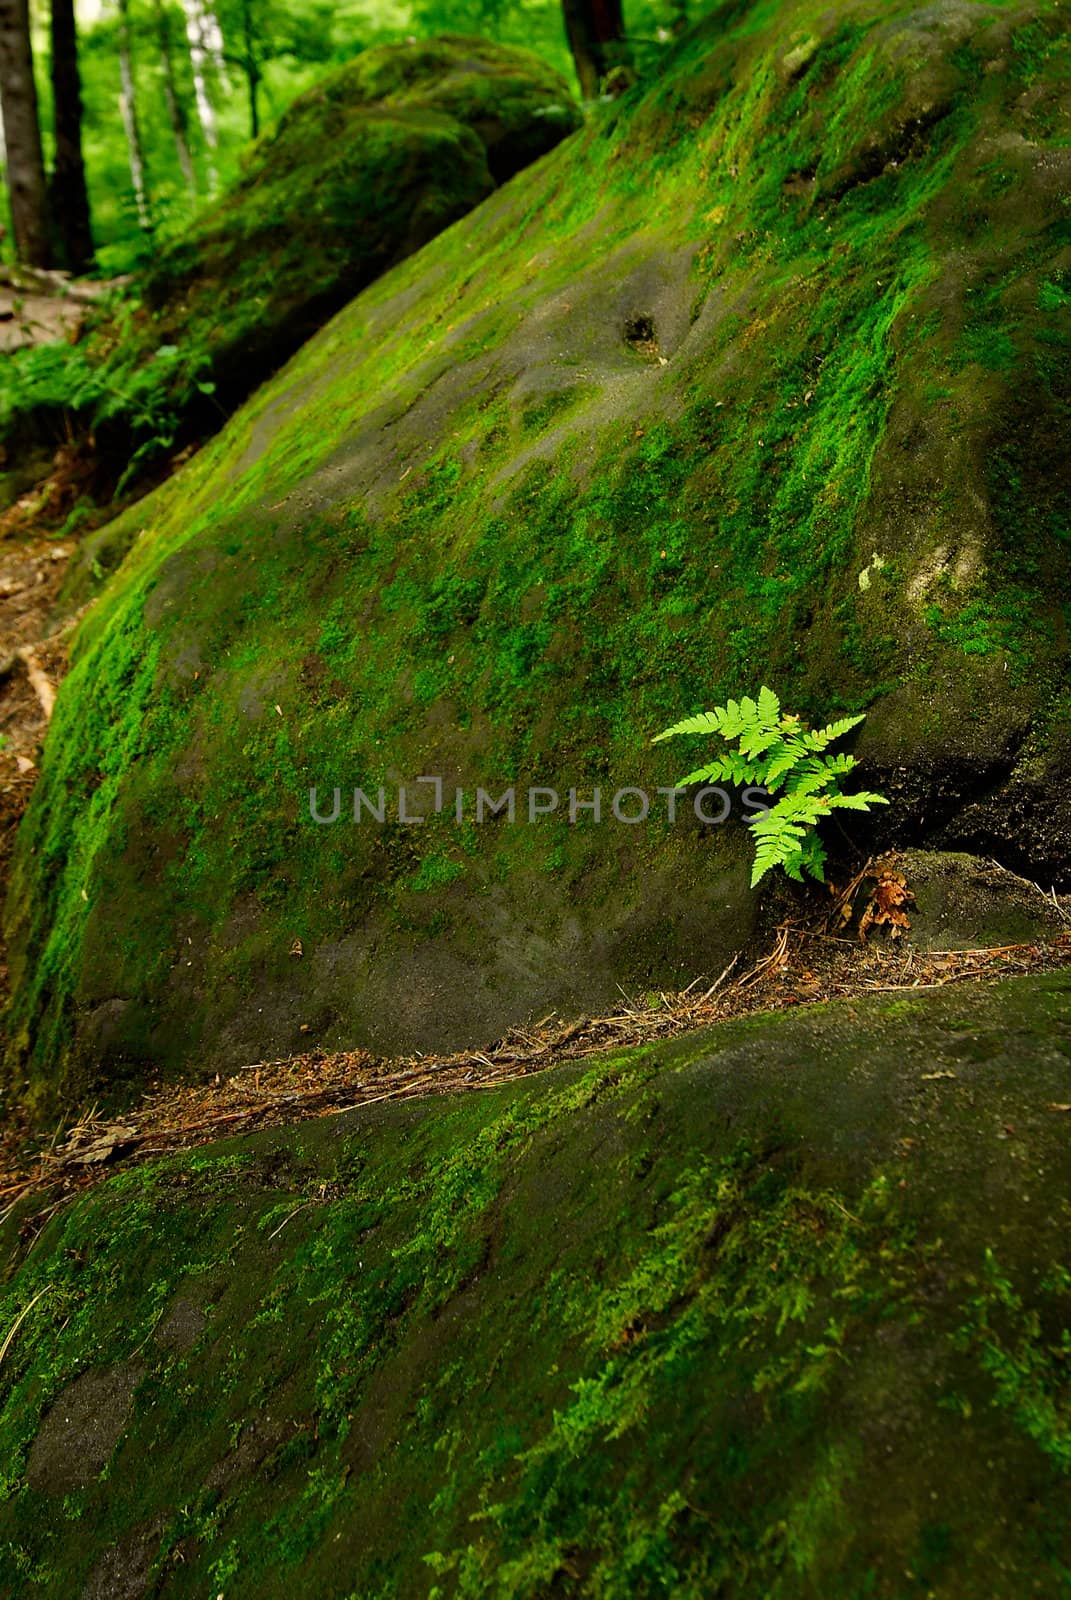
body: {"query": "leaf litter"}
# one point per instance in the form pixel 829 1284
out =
pixel 810 961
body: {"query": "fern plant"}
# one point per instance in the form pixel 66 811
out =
pixel 777 752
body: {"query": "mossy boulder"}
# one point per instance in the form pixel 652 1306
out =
pixel 763 376
pixel 358 173
pixel 776 1311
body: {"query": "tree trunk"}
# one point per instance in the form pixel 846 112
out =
pixel 176 110
pixel 251 67
pixel 129 109
pixel 22 136
pixel 200 44
pixel 596 33
pixel 68 194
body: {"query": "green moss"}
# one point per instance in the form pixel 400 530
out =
pixel 713 1313
pixel 1027 1360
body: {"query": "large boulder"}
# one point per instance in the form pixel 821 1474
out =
pixel 358 173
pixel 772 1312
pixel 762 377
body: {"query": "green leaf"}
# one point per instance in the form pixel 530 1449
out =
pixel 769 706
pixel 710 774
pixel 774 752
pixel 782 761
pixel 818 739
pixel 757 741
pixel 705 722
pixel 857 802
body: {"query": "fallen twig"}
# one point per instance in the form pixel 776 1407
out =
pixel 20 1319
pixel 41 685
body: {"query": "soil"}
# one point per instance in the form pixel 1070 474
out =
pixel 32 566
pixel 40 307
pixel 35 308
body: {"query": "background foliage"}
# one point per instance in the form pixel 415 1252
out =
pixel 296 43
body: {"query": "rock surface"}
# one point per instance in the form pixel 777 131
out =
pixel 775 1311
pixel 763 376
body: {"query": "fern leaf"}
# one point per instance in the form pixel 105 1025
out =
pixel 758 740
pixel 777 830
pixel 793 866
pixel 705 722
pixel 819 738
pixel 774 751
pixel 857 802
pixel 744 771
pixel 769 707
pixel 713 772
pixel 811 779
pixel 813 859
pixel 841 764
pixel 782 760
pixel 802 810
pixel 734 721
pixel 763 863
pixel 837 730
pixel 773 852
pixel 708 774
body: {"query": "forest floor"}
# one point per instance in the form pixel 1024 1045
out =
pixel 810 961
pixel 35 308
pixel 41 307
pixel 32 567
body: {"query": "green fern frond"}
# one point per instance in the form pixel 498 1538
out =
pixel 809 783
pixel 819 738
pixel 776 752
pixel 783 757
pixel 840 764
pixel 705 722
pixel 757 741
pixel 857 802
pixel 769 707
pixel 716 772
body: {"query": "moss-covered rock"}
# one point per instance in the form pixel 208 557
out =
pixel 360 172
pixel 763 376
pixel 773 1312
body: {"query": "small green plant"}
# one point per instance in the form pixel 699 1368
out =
pixel 776 752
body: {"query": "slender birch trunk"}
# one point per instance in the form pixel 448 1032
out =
pixel 199 37
pixel 129 110
pixel 176 110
